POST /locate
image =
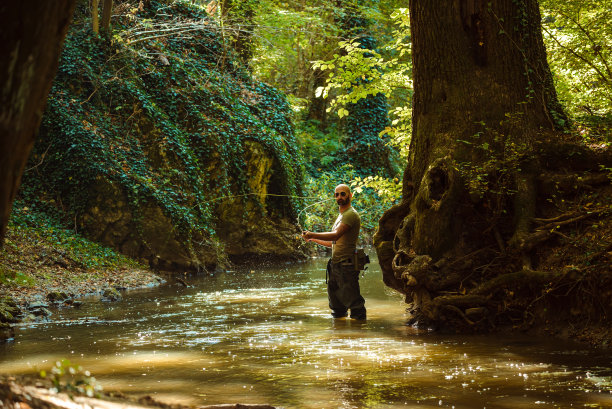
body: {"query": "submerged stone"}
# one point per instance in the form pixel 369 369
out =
pixel 111 294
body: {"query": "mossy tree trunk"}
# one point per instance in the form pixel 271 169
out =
pixel 238 15
pixel 31 34
pixel 485 113
pixel 95 24
pixel 482 84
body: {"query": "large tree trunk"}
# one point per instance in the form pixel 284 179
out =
pixel 482 83
pixel 485 118
pixel 31 34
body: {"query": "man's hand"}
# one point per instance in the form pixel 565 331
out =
pixel 306 235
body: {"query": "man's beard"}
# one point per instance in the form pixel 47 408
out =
pixel 341 201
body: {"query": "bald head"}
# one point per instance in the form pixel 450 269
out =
pixel 343 187
pixel 343 195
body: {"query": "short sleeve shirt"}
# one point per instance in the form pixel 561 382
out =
pixel 345 246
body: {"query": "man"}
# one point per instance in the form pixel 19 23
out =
pixel 343 283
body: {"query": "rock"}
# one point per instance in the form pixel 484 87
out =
pixel 152 235
pixel 57 296
pixel 77 303
pixel 42 312
pixel 9 311
pixel 111 294
pixel 6 332
pixel 29 318
pixel 37 305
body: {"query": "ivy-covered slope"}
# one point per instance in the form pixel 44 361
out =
pixel 160 145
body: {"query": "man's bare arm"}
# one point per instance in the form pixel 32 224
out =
pixel 322 242
pixel 329 235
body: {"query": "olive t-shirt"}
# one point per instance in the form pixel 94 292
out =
pixel 345 246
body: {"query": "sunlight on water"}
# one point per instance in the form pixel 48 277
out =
pixel 267 337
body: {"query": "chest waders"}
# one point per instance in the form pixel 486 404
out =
pixel 342 279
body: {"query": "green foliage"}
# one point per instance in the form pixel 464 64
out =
pixel 387 190
pixel 319 147
pixel 15 278
pixel 39 227
pixel 358 76
pixel 291 34
pixel 372 196
pixel 236 18
pixel 578 37
pixel 164 116
pixel 70 378
pixel 497 157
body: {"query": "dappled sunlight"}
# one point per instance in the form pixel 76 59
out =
pixel 267 337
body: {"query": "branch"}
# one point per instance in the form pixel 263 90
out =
pixel 586 33
pixel 587 62
pixel 568 221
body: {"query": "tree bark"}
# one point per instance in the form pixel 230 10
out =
pixel 95 24
pixel 31 35
pixel 107 11
pixel 483 103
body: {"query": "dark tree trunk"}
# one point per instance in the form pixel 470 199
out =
pixel 484 113
pixel 31 34
pixel 107 12
pixel 481 80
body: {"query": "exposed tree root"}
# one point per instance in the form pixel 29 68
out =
pixel 546 231
pixel 509 270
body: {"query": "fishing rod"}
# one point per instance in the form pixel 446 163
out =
pixel 306 207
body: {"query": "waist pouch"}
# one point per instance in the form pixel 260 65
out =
pixel 358 261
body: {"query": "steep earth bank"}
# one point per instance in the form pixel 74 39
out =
pixel 163 147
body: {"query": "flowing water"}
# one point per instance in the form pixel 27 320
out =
pixel 265 336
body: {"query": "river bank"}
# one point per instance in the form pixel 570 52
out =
pixel 38 273
pixel 25 392
pixel 264 335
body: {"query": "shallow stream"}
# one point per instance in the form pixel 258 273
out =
pixel 265 336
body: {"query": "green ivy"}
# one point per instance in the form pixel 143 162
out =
pixel 122 110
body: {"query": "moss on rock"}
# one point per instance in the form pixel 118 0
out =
pixel 136 151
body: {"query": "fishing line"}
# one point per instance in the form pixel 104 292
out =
pixel 306 207
pixel 262 194
pixel 278 195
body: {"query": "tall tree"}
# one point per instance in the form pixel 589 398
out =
pixel 237 16
pixel 107 11
pixel 31 34
pixel 485 128
pixel 95 24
